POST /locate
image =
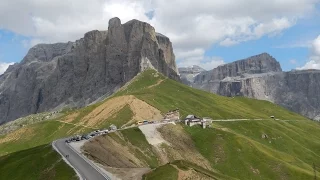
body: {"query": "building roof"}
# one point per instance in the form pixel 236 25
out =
pixel 190 116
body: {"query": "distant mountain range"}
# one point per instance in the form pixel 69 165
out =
pixel 261 77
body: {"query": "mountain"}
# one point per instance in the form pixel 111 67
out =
pixel 261 77
pixel 256 149
pixel 75 74
pixel 187 74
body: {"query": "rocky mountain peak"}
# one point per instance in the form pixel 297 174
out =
pixel 261 63
pixel 114 22
pixel 74 74
pixel 261 77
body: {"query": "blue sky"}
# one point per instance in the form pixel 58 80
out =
pixel 12 48
pixel 196 33
pixel 291 44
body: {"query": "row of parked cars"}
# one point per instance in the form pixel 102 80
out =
pixel 87 136
pixel 145 122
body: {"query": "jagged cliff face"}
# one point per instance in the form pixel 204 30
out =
pixel 52 76
pixel 260 77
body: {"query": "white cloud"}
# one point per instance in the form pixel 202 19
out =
pixel 299 44
pixel 316 46
pixel 314 60
pixel 228 42
pixel 211 62
pixel 4 66
pixel 293 61
pixel 197 57
pixel 192 26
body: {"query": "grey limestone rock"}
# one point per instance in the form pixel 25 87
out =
pixel 261 77
pixel 75 74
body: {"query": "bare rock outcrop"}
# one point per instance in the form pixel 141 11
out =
pixel 261 77
pixel 52 76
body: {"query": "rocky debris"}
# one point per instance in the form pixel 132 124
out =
pixel 75 74
pixel 264 136
pixel 261 77
pixel 31 119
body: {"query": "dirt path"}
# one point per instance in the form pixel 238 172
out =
pixel 76 124
pixel 159 82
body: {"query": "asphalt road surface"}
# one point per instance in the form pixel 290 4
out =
pixel 84 168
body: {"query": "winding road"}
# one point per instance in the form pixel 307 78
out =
pixel 85 169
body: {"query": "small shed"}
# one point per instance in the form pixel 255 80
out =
pixel 113 127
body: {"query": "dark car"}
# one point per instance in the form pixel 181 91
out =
pixel 83 137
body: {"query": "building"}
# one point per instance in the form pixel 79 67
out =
pixel 192 120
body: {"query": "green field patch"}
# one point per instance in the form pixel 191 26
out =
pixel 40 162
pixel 137 138
pixel 120 118
pixel 163 172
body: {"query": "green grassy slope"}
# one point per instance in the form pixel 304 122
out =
pixel 41 163
pixel 122 117
pixel 136 137
pixel 31 156
pixel 288 156
pixel 163 172
pixel 170 94
pixel 39 134
pixel 238 150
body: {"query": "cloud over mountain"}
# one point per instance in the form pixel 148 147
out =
pixel 191 25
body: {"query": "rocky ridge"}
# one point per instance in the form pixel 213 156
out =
pixel 74 74
pixel 261 77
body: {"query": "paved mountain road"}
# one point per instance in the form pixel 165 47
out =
pixel 85 169
pixel 88 171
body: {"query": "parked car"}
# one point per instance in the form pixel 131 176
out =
pixel 83 137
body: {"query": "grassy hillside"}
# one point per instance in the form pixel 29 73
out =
pixel 40 162
pixel 238 149
pixel 166 94
pixel 235 149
